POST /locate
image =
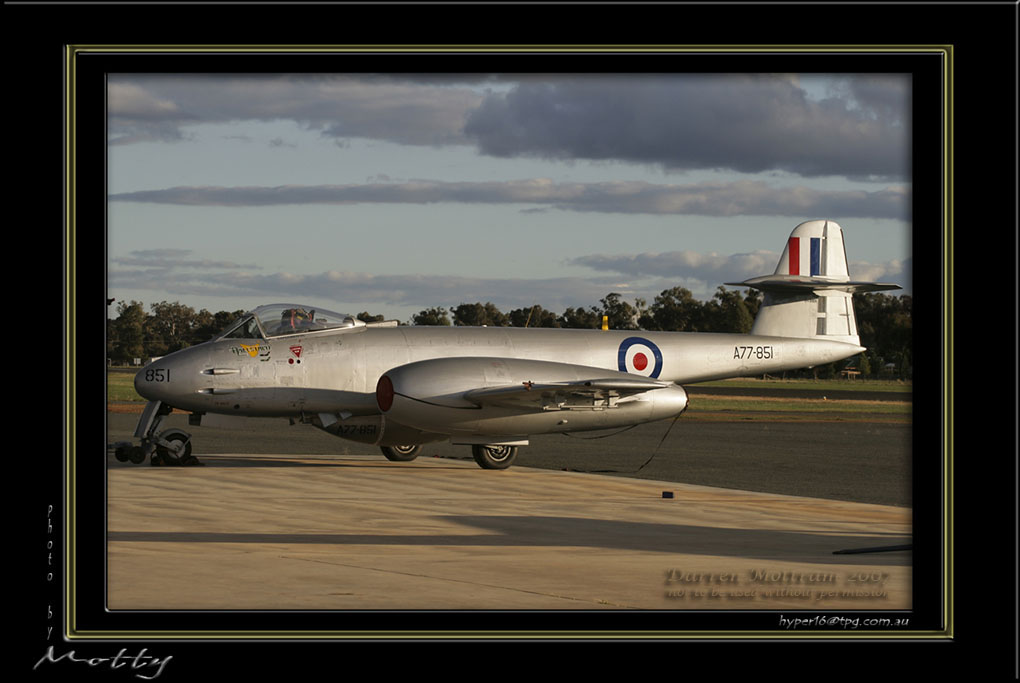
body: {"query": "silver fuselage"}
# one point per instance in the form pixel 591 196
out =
pixel 336 371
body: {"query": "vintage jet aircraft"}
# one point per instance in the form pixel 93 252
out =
pixel 398 387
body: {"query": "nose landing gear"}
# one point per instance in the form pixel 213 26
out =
pixel 169 448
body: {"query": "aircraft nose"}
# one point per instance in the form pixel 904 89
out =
pixel 140 387
pixel 179 379
pixel 170 379
pixel 151 381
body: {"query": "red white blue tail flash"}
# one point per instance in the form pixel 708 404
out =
pixel 815 249
pixel 805 261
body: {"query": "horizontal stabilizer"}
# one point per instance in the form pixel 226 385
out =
pixel 792 284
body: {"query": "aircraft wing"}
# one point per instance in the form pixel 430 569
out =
pixel 538 394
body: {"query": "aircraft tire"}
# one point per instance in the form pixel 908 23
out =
pixel 165 454
pixel 401 453
pixel 494 457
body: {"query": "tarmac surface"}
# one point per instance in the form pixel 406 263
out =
pixel 785 392
pixel 864 461
pixel 288 517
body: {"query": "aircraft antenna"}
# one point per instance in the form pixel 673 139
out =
pixel 600 436
pixel 662 441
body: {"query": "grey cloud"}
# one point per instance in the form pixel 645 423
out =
pixel 897 271
pixel 173 258
pixel 427 290
pixel 716 268
pixel 130 134
pixel 158 106
pixel 736 122
pixel 138 115
pixel 707 199
pixel 884 97
pixel 393 290
pixel 684 264
pixel 643 277
pixel 160 253
pixel 742 123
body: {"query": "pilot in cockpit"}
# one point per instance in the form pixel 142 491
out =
pixel 294 320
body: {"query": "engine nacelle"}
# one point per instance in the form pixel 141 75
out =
pixel 442 395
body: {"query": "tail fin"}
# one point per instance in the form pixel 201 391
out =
pixel 810 294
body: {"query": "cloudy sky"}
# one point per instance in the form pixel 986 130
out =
pixel 393 194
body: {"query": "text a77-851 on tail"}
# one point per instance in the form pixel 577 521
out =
pixel 398 387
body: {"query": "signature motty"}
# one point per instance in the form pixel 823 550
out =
pixel 140 664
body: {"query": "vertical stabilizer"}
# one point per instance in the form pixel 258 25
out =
pixel 815 249
pixel 810 294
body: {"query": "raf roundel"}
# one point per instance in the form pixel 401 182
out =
pixel 639 356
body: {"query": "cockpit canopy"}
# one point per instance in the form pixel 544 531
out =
pixel 280 320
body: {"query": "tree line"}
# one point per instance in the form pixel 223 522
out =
pixel 884 323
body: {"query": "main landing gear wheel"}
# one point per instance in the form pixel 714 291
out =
pixel 494 457
pixel 401 453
